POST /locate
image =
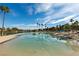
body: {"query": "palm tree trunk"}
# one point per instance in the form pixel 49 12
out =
pixel 2 30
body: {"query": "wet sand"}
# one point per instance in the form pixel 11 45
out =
pixel 4 39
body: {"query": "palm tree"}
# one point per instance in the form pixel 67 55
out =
pixel 71 20
pixel 45 26
pixel 71 27
pixel 5 10
pixel 42 26
pixel 38 25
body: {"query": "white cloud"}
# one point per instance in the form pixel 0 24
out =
pixel 25 26
pixel 31 25
pixel 66 19
pixel 77 18
pixel 43 7
pixel 66 11
pixel 68 8
pixel 47 21
pixel 51 11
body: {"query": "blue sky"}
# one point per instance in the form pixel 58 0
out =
pixel 26 15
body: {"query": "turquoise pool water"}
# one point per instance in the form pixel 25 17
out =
pixel 36 44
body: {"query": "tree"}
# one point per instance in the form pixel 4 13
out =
pixel 71 26
pixel 75 25
pixel 66 27
pixel 71 20
pixel 5 10
pixel 42 26
pixel 45 26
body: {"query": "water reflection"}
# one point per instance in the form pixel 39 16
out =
pixel 37 44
